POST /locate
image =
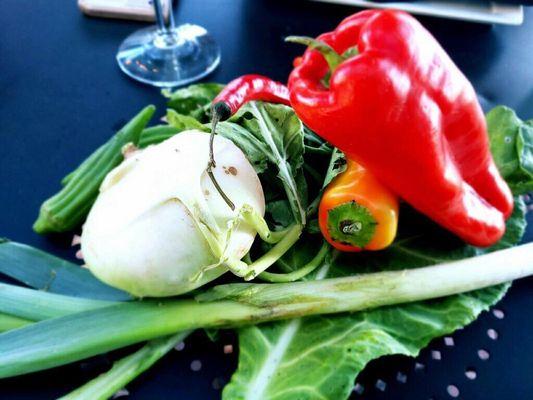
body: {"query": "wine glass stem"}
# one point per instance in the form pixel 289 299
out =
pixel 164 26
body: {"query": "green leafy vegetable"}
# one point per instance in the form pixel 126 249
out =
pixel 336 166
pixel 315 144
pixel 194 100
pixel 279 135
pixel 255 149
pixel 46 272
pixel 280 212
pixel 511 142
pixel 184 122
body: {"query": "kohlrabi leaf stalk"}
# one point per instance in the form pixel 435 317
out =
pixel 299 273
pixel 250 271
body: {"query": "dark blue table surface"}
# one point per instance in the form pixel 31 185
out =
pixel 62 95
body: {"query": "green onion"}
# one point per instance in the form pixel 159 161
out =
pixel 9 322
pixel 48 273
pixel 36 305
pixel 20 306
pixel 67 209
pixel 126 369
pixel 61 340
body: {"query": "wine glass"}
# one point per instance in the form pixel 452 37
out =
pixel 168 56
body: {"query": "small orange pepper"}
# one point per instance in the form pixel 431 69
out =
pixel 357 212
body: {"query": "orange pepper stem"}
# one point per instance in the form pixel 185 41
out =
pixel 351 224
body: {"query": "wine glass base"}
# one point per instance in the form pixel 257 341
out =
pixel 168 59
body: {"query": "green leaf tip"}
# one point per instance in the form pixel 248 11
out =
pixel 511 144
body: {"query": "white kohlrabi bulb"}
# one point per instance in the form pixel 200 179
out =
pixel 159 221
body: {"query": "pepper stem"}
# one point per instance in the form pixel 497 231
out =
pixel 352 224
pixel 332 57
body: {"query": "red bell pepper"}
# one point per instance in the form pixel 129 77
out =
pixel 403 110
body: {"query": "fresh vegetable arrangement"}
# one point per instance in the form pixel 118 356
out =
pixel 362 211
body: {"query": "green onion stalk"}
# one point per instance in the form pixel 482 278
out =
pixel 9 322
pixel 126 369
pixel 35 305
pixel 69 338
